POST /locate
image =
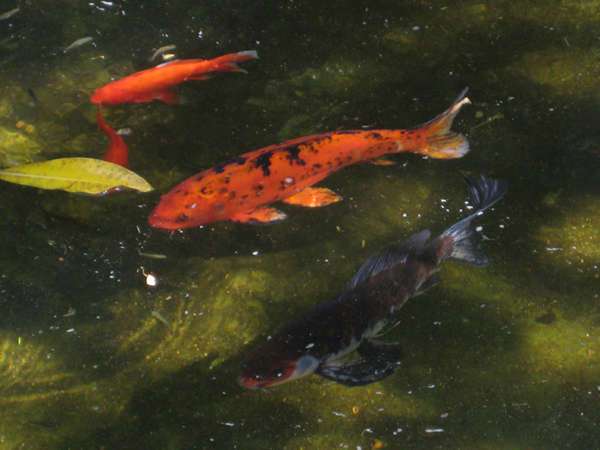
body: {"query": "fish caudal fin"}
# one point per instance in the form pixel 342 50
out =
pixel 461 239
pixel 441 142
pixel 228 63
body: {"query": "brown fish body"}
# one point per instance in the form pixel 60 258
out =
pixel 319 340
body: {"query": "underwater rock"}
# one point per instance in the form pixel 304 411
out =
pixel 16 148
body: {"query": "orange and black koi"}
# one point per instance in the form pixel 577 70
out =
pixel 321 340
pixel 240 189
pixel 156 83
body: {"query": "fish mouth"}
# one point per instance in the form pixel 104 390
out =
pixel 303 366
pixel 95 98
pixel 157 221
pixel 250 383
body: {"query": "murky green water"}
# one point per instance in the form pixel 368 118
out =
pixel 501 357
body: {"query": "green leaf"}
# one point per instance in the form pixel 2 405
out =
pixel 81 175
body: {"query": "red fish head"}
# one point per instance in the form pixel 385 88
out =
pixel 269 367
pixel 101 96
pixel 173 212
pixel 109 96
pixel 191 204
pixel 96 97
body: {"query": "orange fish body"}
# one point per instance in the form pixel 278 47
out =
pixel 240 189
pixel 156 83
pixel 117 152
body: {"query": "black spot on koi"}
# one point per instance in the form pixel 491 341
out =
pixel 318 141
pixel 349 132
pixel 264 162
pixel 220 168
pixel 182 218
pixel 293 156
pixel 206 191
pixel 374 135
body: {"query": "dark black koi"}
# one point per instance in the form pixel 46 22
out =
pixel 320 341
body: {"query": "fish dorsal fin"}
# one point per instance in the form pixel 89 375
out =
pixel 388 257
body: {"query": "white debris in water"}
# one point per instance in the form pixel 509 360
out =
pixel 151 280
pixel 255 252
pixel 434 430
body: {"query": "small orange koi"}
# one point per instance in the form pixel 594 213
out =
pixel 156 83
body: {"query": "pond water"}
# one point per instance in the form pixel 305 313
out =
pixel 505 356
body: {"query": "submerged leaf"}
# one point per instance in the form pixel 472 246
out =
pixel 81 175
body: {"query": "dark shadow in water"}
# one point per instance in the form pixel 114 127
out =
pixel 194 408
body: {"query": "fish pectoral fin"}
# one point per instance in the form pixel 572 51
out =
pixel 377 361
pixel 379 352
pixel 428 284
pixel 235 68
pixel 199 77
pixel 261 215
pixel 383 162
pixel 313 197
pixel 168 96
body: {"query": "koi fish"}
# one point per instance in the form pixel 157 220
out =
pixel 161 51
pixel 240 189
pixel 78 43
pixel 156 83
pixel 322 339
pixel 117 151
pixel 9 14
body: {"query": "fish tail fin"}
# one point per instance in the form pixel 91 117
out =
pixel 244 55
pixel 440 141
pixel 102 125
pixel 229 62
pixel 100 121
pixel 460 242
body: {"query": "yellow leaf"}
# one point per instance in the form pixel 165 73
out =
pixel 81 175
